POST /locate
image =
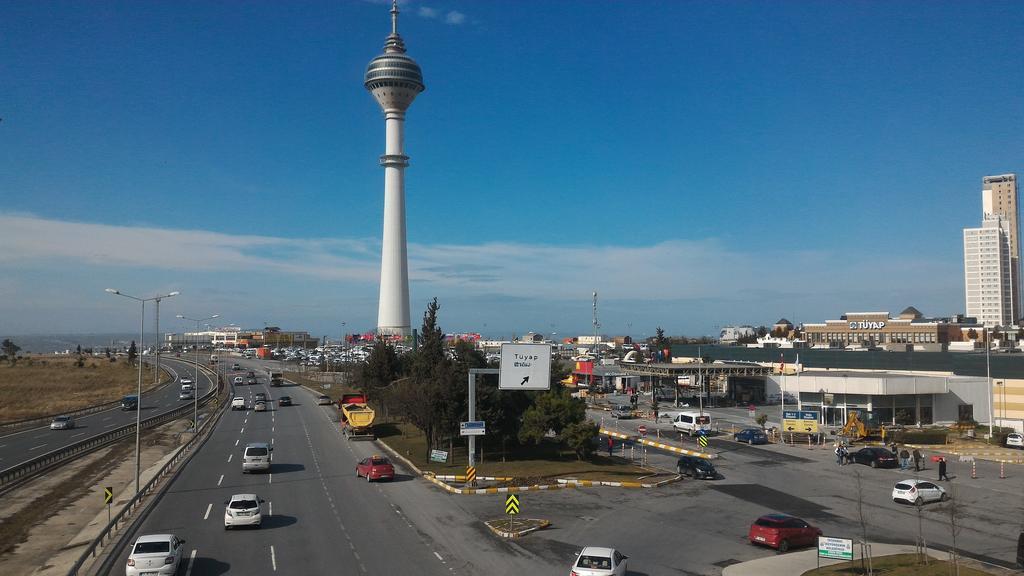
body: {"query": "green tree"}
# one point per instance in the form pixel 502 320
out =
pixel 972 334
pixel 377 374
pixel 10 350
pixel 761 420
pixel 580 437
pixel 762 331
pixel 554 410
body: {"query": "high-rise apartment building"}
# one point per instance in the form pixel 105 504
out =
pixel 999 196
pixel 991 297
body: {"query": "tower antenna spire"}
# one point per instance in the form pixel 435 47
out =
pixel 394 16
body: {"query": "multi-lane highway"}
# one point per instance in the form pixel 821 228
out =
pixel 319 517
pixel 28 444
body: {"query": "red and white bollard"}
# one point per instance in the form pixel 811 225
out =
pixel 974 469
pixel 1002 470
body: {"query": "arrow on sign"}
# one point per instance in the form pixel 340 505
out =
pixel 512 505
pixel 525 380
pixel 108 494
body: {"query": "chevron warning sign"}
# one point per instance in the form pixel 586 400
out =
pixel 108 494
pixel 512 505
pixel 703 441
pixel 470 474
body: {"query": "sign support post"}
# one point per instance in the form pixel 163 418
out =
pixel 472 408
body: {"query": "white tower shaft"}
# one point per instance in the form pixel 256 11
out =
pixel 393 308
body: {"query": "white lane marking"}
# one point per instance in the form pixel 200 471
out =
pixel 111 425
pixel 271 428
pixel 37 447
pixel 191 562
pixel 271 440
pixel 243 431
pixel 5 445
pixel 236 442
pixel 273 558
pixel 73 436
pixel 208 508
pixel 40 436
pixel 270 478
pixel 230 456
pixel 438 556
pixel 221 480
pixel 107 418
pixel 271 506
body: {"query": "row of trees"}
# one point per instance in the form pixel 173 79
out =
pixel 427 388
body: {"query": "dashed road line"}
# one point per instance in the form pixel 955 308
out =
pixel 230 456
pixel 221 480
pixel 208 508
pixel 243 430
pixel 270 505
pixel 73 436
pixel 236 442
pixel 273 558
pixel 438 556
pixel 37 447
pixel 270 478
pixel 191 562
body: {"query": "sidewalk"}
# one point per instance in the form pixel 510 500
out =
pixel 796 563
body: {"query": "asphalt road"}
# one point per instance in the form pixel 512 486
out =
pixel 28 444
pixel 321 518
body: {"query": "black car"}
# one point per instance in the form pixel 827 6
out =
pixel 699 468
pixel 284 401
pixel 874 457
pixel 1020 550
pixel 261 396
pixel 129 402
pixel 251 381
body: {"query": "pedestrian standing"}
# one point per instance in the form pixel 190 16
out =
pixel 839 453
pixel 892 448
pixel 611 446
pixel 942 469
pixel 904 459
pixel 917 460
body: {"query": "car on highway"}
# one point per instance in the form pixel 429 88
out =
pixel 238 403
pixel 236 366
pixel 243 510
pixel 256 457
pixel 284 401
pixel 1015 440
pixel 186 381
pixel 261 396
pixel 250 374
pixel 874 456
pixel 130 402
pixel 696 467
pixel 62 423
pixel 622 412
pixel 260 406
pixel 155 554
pixel 250 381
pixel 186 394
pixel 918 492
pixel 595 561
pixel 238 380
pixel 782 532
pixel 751 436
pixel 323 400
pixel 375 468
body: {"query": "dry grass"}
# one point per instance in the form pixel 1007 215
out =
pixel 43 385
pixel 527 464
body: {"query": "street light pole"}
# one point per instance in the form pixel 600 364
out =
pixel 195 393
pixel 138 394
pixel 988 378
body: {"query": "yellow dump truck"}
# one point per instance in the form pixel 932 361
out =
pixel 356 417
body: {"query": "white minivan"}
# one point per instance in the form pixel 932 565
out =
pixel 692 422
pixel 256 457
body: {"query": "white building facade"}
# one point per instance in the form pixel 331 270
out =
pixel 988 273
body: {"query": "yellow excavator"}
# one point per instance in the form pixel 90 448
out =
pixel 854 429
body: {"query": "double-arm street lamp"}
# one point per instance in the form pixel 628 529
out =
pixel 138 394
pixel 195 392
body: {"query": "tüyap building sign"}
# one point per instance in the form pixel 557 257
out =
pixel 863 325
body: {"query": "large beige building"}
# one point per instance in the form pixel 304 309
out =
pixel 868 329
pixel 988 273
pixel 999 196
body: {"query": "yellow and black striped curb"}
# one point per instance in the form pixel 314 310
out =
pixel 463 478
pixel 658 445
pixel 517 533
pixel 561 484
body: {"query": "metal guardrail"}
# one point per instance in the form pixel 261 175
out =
pixel 186 452
pixel 25 470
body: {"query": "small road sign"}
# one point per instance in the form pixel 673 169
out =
pixel 800 421
pixel 108 494
pixel 703 441
pixel 835 548
pixel 472 428
pixel 642 430
pixel 470 474
pixel 525 367
pixel 438 456
pixel 512 505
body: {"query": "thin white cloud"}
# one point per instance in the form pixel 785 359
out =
pixel 427 12
pixel 455 18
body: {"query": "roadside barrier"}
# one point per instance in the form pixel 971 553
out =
pixel 654 444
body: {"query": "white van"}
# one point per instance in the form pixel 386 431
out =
pixel 256 457
pixel 692 422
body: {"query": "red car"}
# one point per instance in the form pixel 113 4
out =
pixel 375 468
pixel 782 532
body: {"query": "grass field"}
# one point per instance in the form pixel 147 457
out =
pixel 43 385
pixel 898 565
pixel 528 464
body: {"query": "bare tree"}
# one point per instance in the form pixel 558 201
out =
pixel 865 550
pixel 955 525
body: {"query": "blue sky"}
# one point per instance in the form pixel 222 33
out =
pixel 696 163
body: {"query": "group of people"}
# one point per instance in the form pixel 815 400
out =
pixel 903 456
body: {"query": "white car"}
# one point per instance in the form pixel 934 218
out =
pixel 186 381
pixel 594 561
pixel 1015 440
pixel 243 510
pixel 239 380
pixel 238 403
pixel 918 492
pixel 156 554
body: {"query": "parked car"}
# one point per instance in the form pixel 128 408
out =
pixel 156 554
pixel 751 436
pixel 698 468
pixel 62 423
pixel 323 400
pixel 622 412
pixel 238 403
pixel 1015 440
pixel 375 468
pixel 130 402
pixel 243 510
pixel 918 492
pixel 284 401
pixel 874 456
pixel 594 561
pixel 782 532
pixel 260 406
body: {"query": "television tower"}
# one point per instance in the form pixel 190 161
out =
pixel 394 79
